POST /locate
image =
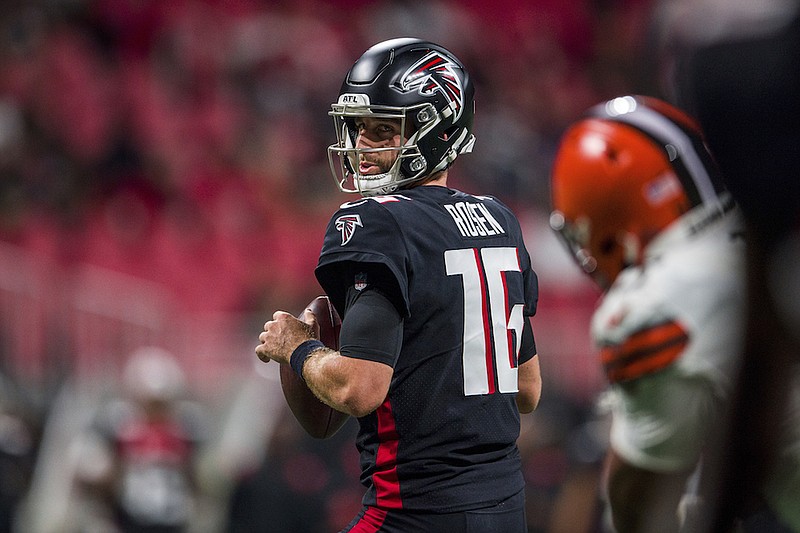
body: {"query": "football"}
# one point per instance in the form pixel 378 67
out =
pixel 317 419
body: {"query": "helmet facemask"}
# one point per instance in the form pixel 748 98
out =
pixel 576 238
pixel 600 255
pixel 409 165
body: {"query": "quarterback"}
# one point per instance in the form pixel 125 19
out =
pixel 435 289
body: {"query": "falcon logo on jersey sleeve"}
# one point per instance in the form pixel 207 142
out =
pixel 347 225
pixel 433 73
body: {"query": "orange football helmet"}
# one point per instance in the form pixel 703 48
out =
pixel 622 174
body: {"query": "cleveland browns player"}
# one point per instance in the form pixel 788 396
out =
pixel 641 205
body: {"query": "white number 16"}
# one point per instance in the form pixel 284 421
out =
pixel 486 318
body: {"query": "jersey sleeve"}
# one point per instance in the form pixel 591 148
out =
pixel 372 329
pixel 363 246
pixel 528 348
pixel 531 285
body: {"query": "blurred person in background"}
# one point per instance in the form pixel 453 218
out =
pixel 563 446
pixel 436 290
pixel 304 485
pixel 19 439
pixel 641 205
pixel 736 66
pixel 138 472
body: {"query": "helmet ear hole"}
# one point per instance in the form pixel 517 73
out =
pixel 607 246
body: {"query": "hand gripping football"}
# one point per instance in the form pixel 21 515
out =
pixel 318 419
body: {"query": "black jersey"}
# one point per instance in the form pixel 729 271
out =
pixel 457 269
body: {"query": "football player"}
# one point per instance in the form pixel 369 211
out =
pixel 435 288
pixel 641 205
pixel 138 462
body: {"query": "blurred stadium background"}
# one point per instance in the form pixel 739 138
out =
pixel 164 182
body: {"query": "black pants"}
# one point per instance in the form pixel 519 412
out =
pixel 506 517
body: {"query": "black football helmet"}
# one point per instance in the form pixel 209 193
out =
pixel 423 85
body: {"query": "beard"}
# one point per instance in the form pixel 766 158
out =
pixel 376 163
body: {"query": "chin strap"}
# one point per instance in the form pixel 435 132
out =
pixel 374 184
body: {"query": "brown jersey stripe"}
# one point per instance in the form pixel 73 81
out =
pixel 644 352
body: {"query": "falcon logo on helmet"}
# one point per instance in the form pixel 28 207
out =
pixel 347 225
pixel 432 73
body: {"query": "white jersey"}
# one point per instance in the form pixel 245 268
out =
pixel 670 334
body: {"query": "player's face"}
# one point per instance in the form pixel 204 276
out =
pixel 377 133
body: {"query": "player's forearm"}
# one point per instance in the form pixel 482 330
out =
pixel 353 386
pixel 530 386
pixel 642 501
pixel 326 378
